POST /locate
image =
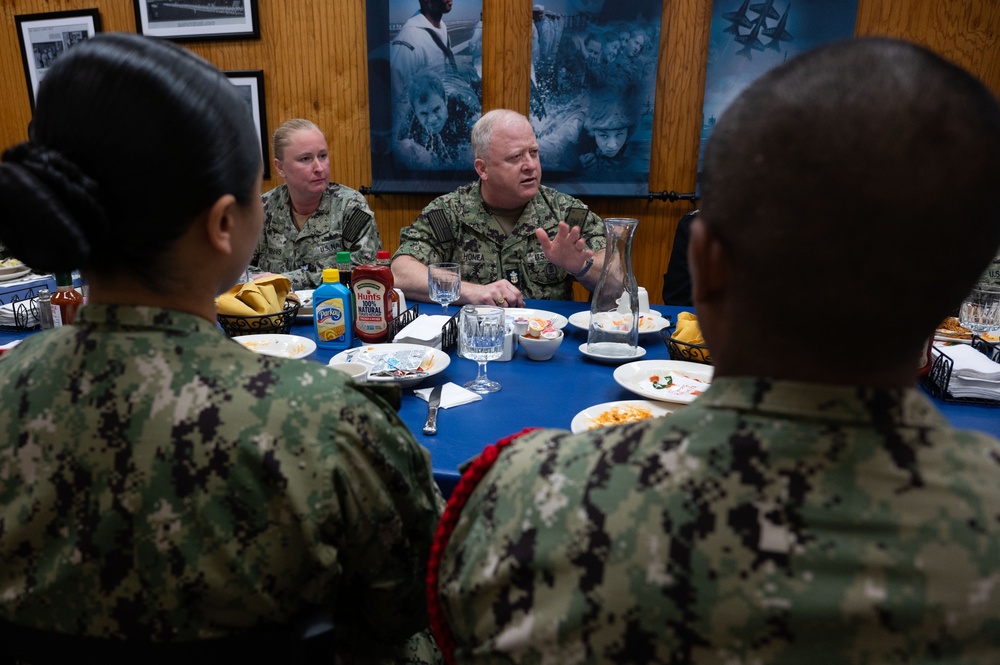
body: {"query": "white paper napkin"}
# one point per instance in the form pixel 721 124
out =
pixel 452 394
pixel 973 374
pixel 7 316
pixel 425 329
pixel 971 364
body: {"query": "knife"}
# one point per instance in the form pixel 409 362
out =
pixel 433 402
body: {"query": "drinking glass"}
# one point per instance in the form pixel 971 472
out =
pixel 980 311
pixel 481 335
pixel 444 283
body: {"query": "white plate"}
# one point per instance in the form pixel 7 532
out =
pixel 584 421
pixel 282 346
pixel 13 272
pixel 649 322
pixel 558 320
pixel 306 302
pixel 614 360
pixel 635 377
pixel 440 360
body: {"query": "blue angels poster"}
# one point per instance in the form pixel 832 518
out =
pixel 747 39
pixel 425 92
pixel 593 87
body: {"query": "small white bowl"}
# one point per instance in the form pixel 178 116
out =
pixel 540 348
pixel 357 371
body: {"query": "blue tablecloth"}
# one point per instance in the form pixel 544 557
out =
pixel 533 394
pixel 546 394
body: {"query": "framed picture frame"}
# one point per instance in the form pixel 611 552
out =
pixel 250 84
pixel 44 37
pixel 198 20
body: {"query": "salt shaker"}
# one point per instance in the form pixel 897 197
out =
pixel 45 308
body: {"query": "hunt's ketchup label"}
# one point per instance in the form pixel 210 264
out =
pixel 372 286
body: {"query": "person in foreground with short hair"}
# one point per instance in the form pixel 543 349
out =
pixel 158 481
pixel 812 506
pixel 514 238
pixel 308 219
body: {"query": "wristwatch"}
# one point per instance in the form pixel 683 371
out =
pixel 586 267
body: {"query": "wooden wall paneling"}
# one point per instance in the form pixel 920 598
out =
pixel 506 54
pixel 964 31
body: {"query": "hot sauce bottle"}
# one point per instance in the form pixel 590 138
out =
pixel 382 259
pixel 65 301
pixel 373 291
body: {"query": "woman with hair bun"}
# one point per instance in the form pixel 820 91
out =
pixel 159 482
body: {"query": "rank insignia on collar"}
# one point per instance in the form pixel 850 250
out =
pixel 514 276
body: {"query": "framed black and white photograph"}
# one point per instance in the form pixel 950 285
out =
pixel 250 84
pixel 45 37
pixel 194 20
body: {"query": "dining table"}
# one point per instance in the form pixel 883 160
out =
pixel 546 394
pixel 551 393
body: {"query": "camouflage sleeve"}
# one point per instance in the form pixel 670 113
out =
pixel 305 278
pixel 422 239
pixel 360 231
pixel 259 249
pixel 593 231
pixel 387 509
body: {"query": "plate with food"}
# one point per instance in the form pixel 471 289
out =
pixel 12 269
pixel 556 321
pixel 665 380
pixel 619 413
pixel 649 322
pixel 402 364
pixel 282 346
pixel 950 330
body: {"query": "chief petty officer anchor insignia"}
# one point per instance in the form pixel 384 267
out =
pixel 514 276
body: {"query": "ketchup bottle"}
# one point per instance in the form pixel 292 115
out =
pixel 373 292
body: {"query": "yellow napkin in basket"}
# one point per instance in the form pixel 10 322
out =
pixel 689 332
pixel 265 295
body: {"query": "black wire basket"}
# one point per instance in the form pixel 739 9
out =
pixel 692 353
pixel 279 323
pixel 938 380
pixel 24 307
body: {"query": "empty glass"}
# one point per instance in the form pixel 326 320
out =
pixel 481 333
pixel 444 283
pixel 980 311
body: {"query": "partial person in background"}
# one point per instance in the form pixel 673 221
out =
pixel 421 45
pixel 436 132
pixel 309 219
pixel 515 238
pixel 610 123
pixel 158 481
pixel 812 505
pixel 677 279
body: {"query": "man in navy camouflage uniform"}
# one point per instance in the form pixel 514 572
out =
pixel 812 506
pixel 514 238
